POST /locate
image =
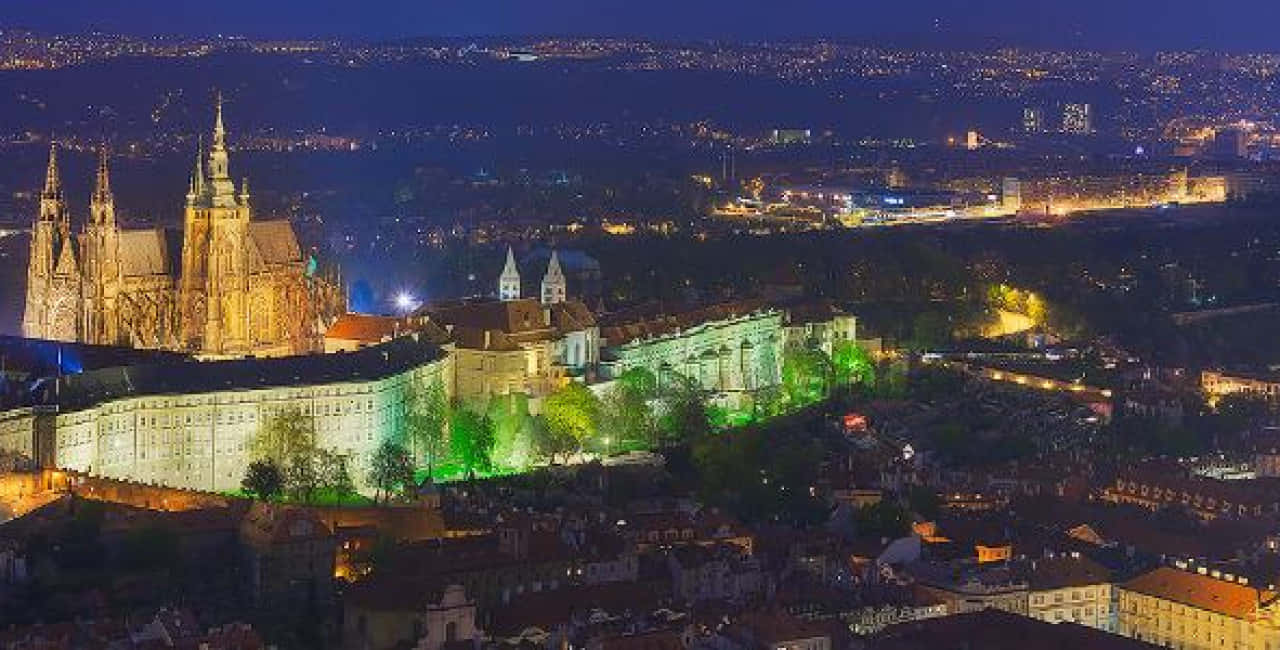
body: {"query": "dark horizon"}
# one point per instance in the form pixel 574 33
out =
pixel 1143 25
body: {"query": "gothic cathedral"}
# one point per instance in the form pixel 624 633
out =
pixel 244 286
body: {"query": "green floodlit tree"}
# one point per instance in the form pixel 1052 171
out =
pixel 334 476
pixel 391 469
pixel 684 410
pixel 512 430
pixel 549 445
pixel 426 417
pixel 573 411
pixel 852 364
pixel 641 381
pixel 287 442
pixel 263 479
pixel 471 440
pixel 302 474
pixel 807 374
pixel 626 415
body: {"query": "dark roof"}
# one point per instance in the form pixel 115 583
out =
pixel 508 317
pixel 74 392
pixel 657 319
pixel 548 609
pixel 41 358
pixel 1062 571
pixel 803 312
pixel 993 629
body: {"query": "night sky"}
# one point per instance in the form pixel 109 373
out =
pixel 1106 24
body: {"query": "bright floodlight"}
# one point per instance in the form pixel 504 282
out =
pixel 405 301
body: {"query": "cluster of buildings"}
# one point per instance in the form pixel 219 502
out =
pixel 186 415
pixel 1077 119
pixel 1066 193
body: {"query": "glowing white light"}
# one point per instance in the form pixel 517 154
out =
pixel 405 301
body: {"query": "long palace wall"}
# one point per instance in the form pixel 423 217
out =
pixel 192 425
pixel 737 354
pixel 203 441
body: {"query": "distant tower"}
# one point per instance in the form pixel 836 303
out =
pixel 1033 120
pixel 1077 119
pixel 1011 195
pixel 50 311
pixel 554 285
pixel 509 281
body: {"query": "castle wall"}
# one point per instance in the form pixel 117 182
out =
pixel 203 441
pixel 729 355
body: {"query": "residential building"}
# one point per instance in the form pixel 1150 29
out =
pixel 428 617
pixel 1174 608
pixel 1069 588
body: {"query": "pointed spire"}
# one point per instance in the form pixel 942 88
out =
pixel 509 281
pixel 553 267
pixel 510 267
pixel 555 288
pixel 219 132
pixel 197 174
pixel 52 184
pixel 222 189
pixel 102 210
pixel 102 186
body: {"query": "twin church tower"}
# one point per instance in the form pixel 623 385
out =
pixel 243 286
pixel 555 287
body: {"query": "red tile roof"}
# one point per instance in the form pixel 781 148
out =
pixel 1200 591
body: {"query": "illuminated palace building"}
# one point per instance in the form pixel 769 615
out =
pixel 243 286
pixel 190 424
pixel 163 418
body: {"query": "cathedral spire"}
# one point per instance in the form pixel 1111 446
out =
pixel 219 131
pixel 219 176
pixel 102 204
pixel 102 186
pixel 52 183
pixel 196 186
pixel 554 284
pixel 509 281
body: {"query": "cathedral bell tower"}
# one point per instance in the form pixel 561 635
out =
pixel 214 300
pixel 509 281
pixel 100 245
pixel 555 288
pixel 50 310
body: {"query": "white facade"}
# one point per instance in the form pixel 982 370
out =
pixel 202 441
pixel 1088 605
pixel 735 354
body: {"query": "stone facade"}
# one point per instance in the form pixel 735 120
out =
pixel 148 425
pixel 727 348
pixel 243 287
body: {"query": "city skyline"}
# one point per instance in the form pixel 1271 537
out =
pixel 1235 25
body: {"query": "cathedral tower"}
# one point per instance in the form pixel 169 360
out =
pixel 100 245
pixel 214 300
pixel 554 284
pixel 51 309
pixel 509 281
